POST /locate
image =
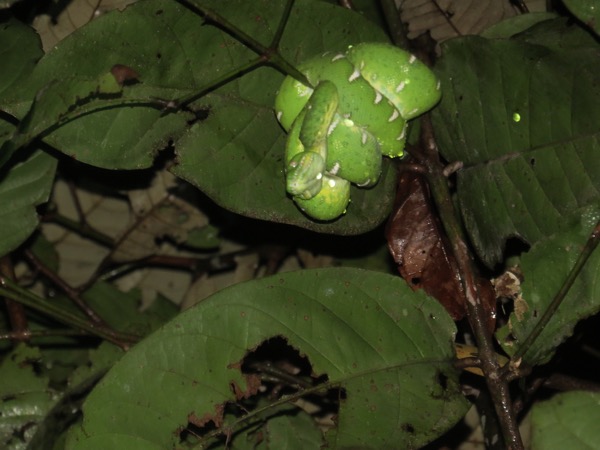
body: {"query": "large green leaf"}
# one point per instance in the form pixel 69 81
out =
pixel 25 397
pixel 568 420
pixel 227 143
pixel 545 268
pixel 587 11
pixel 388 347
pixel 24 187
pixel 523 117
pixel 28 183
pixel 20 49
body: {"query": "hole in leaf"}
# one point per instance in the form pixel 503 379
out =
pixel 442 380
pixel 272 370
pixel 284 371
pixel 515 246
pixel 409 428
pixel 200 114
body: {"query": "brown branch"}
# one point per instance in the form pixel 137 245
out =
pixel 467 363
pixel 562 382
pixel 70 292
pixel 476 313
pixel 16 312
pixel 10 289
pixel 82 229
pixel 395 26
pixel 28 334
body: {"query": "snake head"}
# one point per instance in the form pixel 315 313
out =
pixel 304 174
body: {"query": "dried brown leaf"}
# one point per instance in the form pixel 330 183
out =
pixel 446 19
pixel 158 215
pixel 418 247
pixel 421 250
pixel 66 17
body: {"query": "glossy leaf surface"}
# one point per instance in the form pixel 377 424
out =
pixel 523 117
pixel 227 142
pixel 390 350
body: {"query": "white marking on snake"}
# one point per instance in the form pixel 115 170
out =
pixel 401 134
pixel 335 169
pixel 332 126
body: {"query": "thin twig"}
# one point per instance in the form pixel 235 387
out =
pixel 447 17
pixel 85 231
pixel 585 254
pixel 16 312
pixel 216 83
pixel 10 289
pixel 266 54
pixel 395 26
pixel 28 334
pixel 498 387
pixel 467 363
pixel 71 293
pixel 563 382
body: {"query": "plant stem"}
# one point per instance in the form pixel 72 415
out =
pixel 214 84
pixel 72 293
pixel 266 54
pixel 395 25
pixel 585 254
pixel 10 289
pixel 16 312
pixel 28 334
pixel 497 385
pixel 82 229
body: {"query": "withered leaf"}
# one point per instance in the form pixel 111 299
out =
pixel 419 247
pixel 124 74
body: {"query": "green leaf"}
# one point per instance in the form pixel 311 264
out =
pixel 204 238
pixel 24 397
pixel 57 421
pixel 293 432
pixel 568 420
pixel 25 186
pixel 587 11
pixel 524 120
pixel 241 137
pixel 20 49
pixel 388 347
pixel 28 183
pixel 228 143
pixel 557 255
pixel 121 310
pixel 514 25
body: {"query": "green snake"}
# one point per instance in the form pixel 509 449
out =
pixel 355 111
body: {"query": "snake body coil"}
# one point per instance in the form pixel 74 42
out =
pixel 354 112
